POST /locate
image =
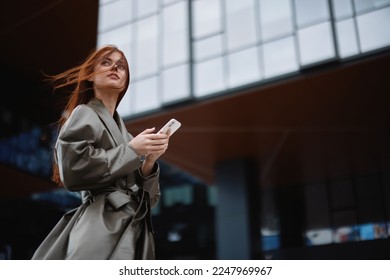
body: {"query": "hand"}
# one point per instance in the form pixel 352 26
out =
pixel 150 144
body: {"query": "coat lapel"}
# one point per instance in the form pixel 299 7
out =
pixel 108 120
pixel 122 127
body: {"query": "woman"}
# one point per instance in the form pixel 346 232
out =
pixel 116 173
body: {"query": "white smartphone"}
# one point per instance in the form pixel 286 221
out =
pixel 170 126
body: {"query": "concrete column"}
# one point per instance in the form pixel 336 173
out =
pixel 237 211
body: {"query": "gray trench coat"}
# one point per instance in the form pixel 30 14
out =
pixel 114 220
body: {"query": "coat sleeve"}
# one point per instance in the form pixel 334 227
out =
pixel 151 184
pixel 83 165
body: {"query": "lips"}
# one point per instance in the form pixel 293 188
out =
pixel 114 76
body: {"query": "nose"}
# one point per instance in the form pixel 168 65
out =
pixel 115 67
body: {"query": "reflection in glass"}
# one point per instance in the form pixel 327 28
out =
pixel 318 237
pixel 206 17
pixel 316 43
pixel 280 57
pixel 122 9
pixel 240 25
pixel 62 198
pixel 374 31
pixel 243 67
pixel 212 196
pixel 146 95
pixel 269 221
pixel 146 47
pixel 346 234
pixel 311 12
pixel 342 9
pixel 29 152
pixel 175 83
pixel 207 48
pixel 175 34
pixel 209 76
pixel 156 210
pixel 275 18
pixel 346 38
pixel 372 231
pixel 270 240
pixel 183 194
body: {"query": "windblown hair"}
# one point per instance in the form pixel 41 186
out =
pixel 77 78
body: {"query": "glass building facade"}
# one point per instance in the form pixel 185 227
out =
pixel 182 50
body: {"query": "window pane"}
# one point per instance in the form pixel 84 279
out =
pixel 374 31
pixel 370 199
pixel 146 47
pixel 346 38
pixel 317 207
pixel 311 11
pixel 102 2
pixel 207 48
pixel 342 8
pixel 243 67
pixel 122 9
pixel 365 5
pixel 181 194
pixel 146 7
pixel 275 18
pixel 209 76
pixel 316 43
pixel 146 95
pixel 175 83
pixel 280 57
pixel 240 23
pixel 341 195
pixel 175 34
pixel 207 17
pixel 167 2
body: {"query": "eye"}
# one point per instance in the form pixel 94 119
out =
pixel 121 67
pixel 105 62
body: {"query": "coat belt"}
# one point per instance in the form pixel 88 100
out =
pixel 118 198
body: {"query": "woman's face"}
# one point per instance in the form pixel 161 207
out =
pixel 110 72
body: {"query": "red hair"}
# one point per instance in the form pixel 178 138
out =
pixel 82 93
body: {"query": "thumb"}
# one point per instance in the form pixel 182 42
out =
pixel 148 130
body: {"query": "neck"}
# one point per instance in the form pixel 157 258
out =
pixel 109 100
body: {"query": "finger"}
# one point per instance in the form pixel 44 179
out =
pixel 148 130
pixel 159 142
pixel 158 148
pixel 158 136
